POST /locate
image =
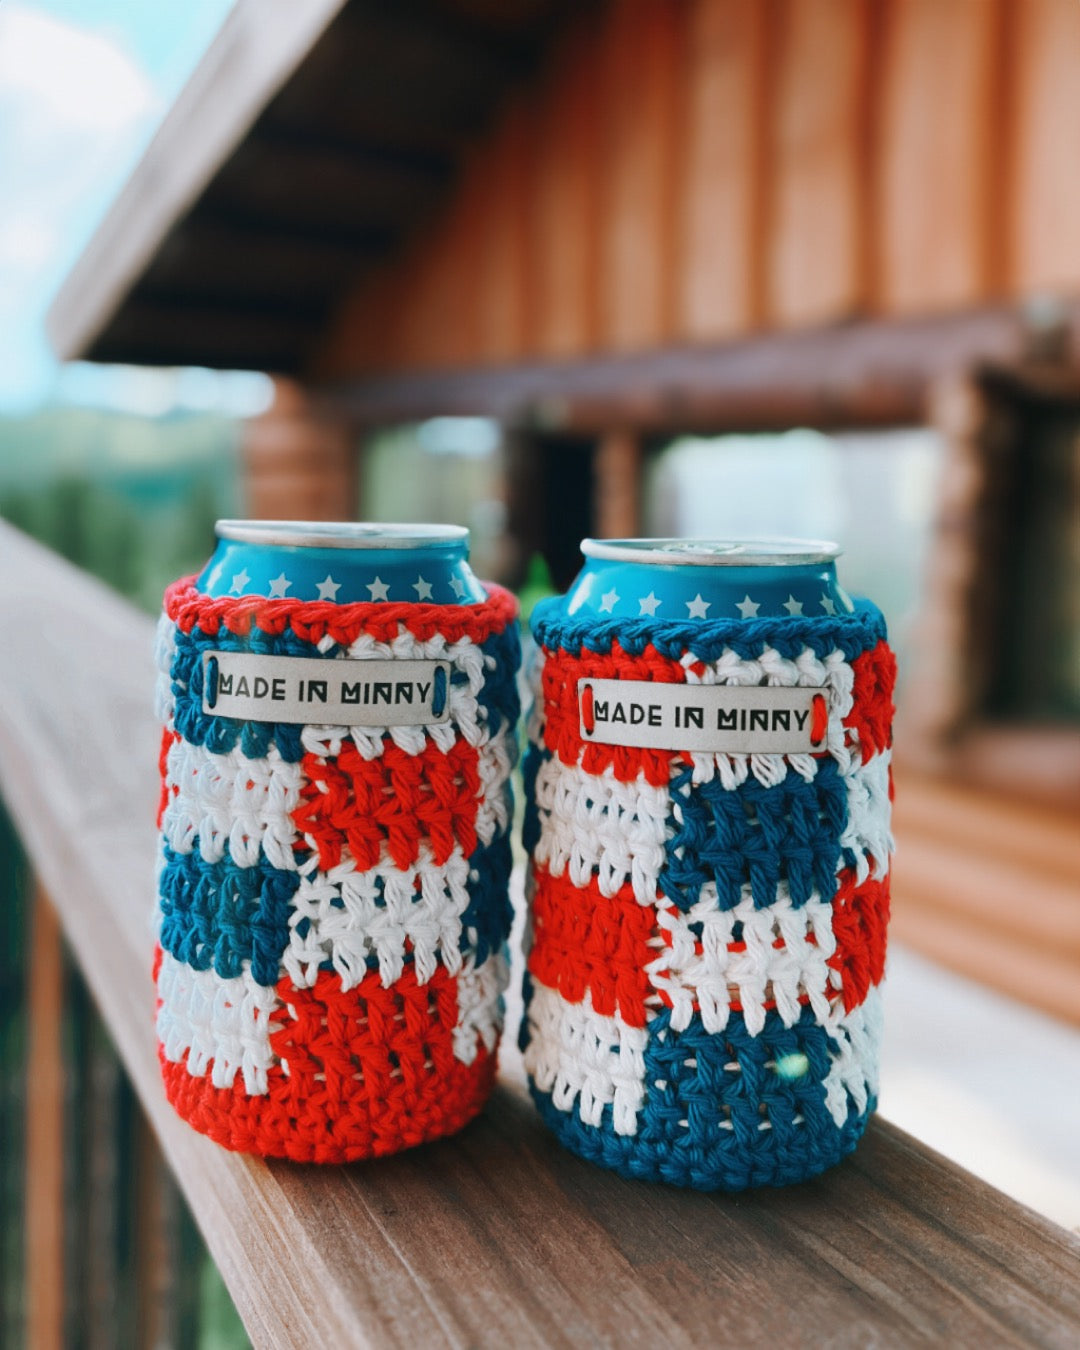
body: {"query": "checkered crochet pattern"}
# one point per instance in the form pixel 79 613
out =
pixel 708 930
pixel 333 901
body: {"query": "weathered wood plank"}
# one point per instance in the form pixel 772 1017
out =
pixel 938 155
pixel 817 244
pixel 565 238
pixel 1045 202
pixel 501 287
pixel 990 886
pixel 721 280
pixel 642 46
pixel 495 1237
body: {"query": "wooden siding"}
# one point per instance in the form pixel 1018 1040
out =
pixel 691 170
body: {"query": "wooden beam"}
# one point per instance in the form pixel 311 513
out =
pixel 44 1196
pixel 171 331
pixel 259 46
pixel 860 374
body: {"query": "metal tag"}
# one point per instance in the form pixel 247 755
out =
pixel 257 688
pixel 726 718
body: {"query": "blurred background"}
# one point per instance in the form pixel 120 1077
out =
pixel 707 267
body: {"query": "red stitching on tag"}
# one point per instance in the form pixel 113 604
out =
pixel 587 718
pixel 819 724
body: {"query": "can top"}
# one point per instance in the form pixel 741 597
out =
pixel 343 562
pixel 340 534
pixel 714 552
pixel 707 579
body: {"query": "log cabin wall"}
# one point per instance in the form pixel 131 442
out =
pixel 695 170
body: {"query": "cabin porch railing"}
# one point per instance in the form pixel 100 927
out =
pixel 496 1236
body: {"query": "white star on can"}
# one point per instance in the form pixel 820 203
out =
pixel 698 608
pixel 827 605
pixel 457 586
pixel 328 588
pixel 747 608
pixel 239 581
pixel 279 586
pixel 792 606
pixel 649 604
pixel 378 588
pixel 422 588
pixel 608 601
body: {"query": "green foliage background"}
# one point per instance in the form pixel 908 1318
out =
pixel 129 499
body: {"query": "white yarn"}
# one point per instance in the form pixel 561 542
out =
pixel 693 979
pixel 212 1019
pixel 586 1059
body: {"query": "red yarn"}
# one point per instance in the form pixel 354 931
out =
pixel 370 1071
pixel 312 620
pixel 168 740
pixel 399 797
pixel 872 699
pixel 562 727
pixel 860 923
pixel 585 941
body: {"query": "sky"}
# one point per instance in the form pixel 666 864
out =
pixel 83 86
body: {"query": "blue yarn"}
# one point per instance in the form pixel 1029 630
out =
pixel 222 734
pixel 704 1154
pixel 486 922
pixel 218 915
pixel 533 758
pixel 499 694
pixel 707 639
pixel 757 835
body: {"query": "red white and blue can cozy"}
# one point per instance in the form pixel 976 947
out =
pixel 708 792
pixel 339 707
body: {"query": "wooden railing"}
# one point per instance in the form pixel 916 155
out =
pixel 498 1236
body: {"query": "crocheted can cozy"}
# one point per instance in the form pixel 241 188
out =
pixel 333 901
pixel 708 930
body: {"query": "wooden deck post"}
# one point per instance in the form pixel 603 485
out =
pixel 617 491
pixel 44 1196
pixel 300 462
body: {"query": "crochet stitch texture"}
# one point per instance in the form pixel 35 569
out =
pixel 333 902
pixel 708 930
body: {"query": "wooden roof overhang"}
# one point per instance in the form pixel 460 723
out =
pixel 311 139
pixel 317 138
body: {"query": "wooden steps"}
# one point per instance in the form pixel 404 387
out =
pixel 990 886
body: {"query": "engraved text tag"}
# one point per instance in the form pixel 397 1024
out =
pixel 258 688
pixel 726 718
